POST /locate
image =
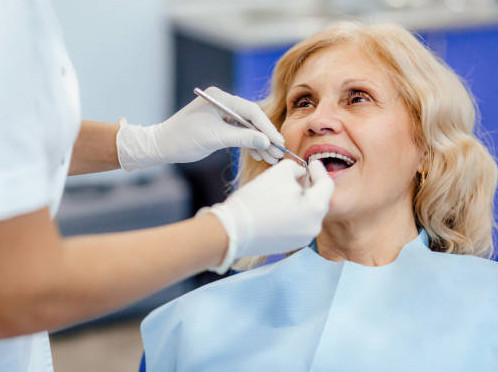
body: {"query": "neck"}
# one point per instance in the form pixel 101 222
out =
pixel 369 241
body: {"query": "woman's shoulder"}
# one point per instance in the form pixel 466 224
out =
pixel 466 262
pixel 467 271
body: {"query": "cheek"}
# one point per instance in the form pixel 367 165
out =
pixel 404 151
pixel 395 159
pixel 390 154
pixel 393 137
pixel 292 135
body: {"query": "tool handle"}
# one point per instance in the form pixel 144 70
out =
pixel 225 109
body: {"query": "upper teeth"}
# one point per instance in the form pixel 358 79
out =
pixel 322 155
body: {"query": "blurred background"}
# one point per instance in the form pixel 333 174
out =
pixel 141 59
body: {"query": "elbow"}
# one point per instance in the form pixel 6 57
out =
pixel 23 315
pixel 8 330
pixel 13 323
pixel 16 322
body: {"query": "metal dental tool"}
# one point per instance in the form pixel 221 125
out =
pixel 245 123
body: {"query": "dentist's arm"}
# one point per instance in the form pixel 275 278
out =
pixel 193 133
pixel 47 281
pixel 95 148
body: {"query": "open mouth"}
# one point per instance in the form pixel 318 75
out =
pixel 333 161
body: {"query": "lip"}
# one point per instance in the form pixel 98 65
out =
pixel 326 147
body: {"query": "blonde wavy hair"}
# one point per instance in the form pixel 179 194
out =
pixel 453 198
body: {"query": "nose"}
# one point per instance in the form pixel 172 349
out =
pixel 324 120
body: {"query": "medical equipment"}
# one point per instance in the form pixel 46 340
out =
pixel 245 123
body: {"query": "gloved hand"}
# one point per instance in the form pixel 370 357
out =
pixel 196 131
pixel 274 213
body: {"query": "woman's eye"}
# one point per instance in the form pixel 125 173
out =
pixel 358 96
pixel 302 102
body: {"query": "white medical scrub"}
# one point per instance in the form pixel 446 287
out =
pixel 39 122
pixel 426 311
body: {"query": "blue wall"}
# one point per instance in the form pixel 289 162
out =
pixel 253 68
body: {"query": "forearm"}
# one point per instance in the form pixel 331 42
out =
pixel 113 270
pixel 83 277
pixel 95 148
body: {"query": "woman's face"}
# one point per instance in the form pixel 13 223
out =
pixel 343 108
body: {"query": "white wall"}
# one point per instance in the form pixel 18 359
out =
pixel 121 51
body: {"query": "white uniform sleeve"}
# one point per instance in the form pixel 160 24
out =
pixel 23 134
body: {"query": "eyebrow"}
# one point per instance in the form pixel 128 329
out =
pixel 344 83
pixel 356 81
pixel 299 86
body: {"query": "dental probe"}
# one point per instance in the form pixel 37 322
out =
pixel 245 123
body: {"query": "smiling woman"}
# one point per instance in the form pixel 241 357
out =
pixel 392 281
pixel 405 121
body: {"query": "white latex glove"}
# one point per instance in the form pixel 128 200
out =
pixel 274 213
pixel 196 131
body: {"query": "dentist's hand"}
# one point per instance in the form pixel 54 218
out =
pixel 196 131
pixel 274 213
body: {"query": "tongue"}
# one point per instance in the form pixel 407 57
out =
pixel 335 166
